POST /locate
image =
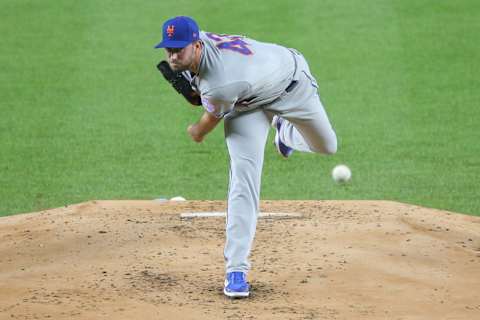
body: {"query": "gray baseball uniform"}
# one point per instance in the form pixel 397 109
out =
pixel 247 82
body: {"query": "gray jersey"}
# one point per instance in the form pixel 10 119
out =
pixel 240 73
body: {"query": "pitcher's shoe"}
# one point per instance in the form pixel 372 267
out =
pixel 284 150
pixel 236 285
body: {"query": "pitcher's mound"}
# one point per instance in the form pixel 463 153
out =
pixel 323 260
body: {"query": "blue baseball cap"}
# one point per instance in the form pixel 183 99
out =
pixel 179 32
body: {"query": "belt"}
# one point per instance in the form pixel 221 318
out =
pixel 291 86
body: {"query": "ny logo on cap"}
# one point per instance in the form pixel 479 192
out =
pixel 170 30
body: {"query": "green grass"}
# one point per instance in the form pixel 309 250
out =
pixel 85 115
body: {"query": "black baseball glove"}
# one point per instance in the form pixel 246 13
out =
pixel 179 83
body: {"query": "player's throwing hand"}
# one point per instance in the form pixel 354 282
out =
pixel 194 133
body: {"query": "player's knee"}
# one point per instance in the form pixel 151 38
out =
pixel 243 166
pixel 327 147
pixel 330 148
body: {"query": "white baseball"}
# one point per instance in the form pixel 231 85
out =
pixel 178 198
pixel 341 173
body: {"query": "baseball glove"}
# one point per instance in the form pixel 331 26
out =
pixel 179 83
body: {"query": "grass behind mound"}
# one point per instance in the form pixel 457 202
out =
pixel 85 115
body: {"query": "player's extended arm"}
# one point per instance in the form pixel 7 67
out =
pixel 199 130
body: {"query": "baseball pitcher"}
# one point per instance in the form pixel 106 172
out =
pixel 251 85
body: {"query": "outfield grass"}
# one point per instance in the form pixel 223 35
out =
pixel 85 115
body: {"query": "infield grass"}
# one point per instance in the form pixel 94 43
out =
pixel 85 115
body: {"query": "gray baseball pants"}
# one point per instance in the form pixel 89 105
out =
pixel 307 129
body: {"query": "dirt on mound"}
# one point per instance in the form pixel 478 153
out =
pixel 339 260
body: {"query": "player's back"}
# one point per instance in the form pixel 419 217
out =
pixel 262 70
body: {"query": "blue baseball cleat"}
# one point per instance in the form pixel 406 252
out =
pixel 284 150
pixel 236 285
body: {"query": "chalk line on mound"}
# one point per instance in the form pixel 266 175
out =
pixel 217 214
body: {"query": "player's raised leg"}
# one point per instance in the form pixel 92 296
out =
pixel 314 134
pixel 301 122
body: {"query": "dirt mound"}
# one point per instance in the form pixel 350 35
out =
pixel 339 260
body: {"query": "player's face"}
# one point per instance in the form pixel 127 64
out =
pixel 180 59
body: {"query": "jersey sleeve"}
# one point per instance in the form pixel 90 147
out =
pixel 220 101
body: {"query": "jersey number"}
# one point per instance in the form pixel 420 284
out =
pixel 227 42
